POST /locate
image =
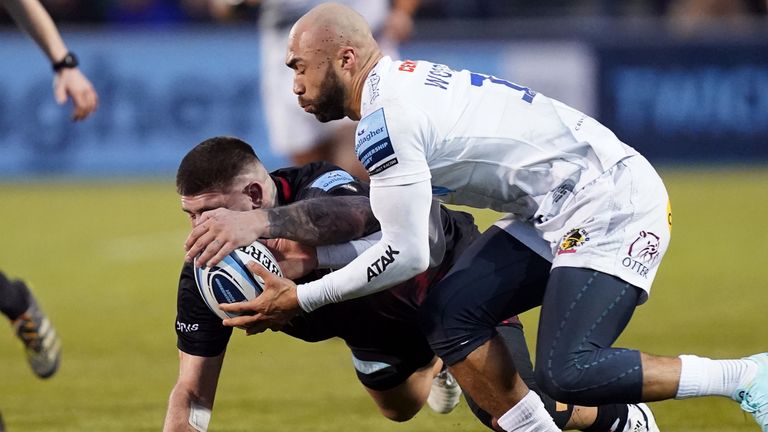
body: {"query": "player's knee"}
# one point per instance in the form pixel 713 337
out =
pixel 401 414
pixel 563 378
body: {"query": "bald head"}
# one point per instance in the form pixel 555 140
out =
pixel 331 51
pixel 330 26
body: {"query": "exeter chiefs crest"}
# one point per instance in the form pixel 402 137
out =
pixel 573 240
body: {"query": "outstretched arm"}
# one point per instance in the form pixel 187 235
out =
pixel 191 401
pixel 323 221
pixel 316 221
pixel 402 253
pixel 69 81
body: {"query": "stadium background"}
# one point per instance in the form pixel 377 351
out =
pixel 88 212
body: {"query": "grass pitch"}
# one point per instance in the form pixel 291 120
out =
pixel 104 261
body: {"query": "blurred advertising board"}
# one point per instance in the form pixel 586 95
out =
pixel 164 90
pixel 161 93
pixel 682 102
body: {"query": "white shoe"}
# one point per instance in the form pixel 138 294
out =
pixel 445 393
pixel 640 419
pixel 754 396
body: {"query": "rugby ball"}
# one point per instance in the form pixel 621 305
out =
pixel 230 281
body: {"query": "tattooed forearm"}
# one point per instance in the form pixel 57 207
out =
pixel 323 221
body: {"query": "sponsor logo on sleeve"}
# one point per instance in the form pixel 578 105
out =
pixel 642 253
pixel 377 267
pixel 332 179
pixel 373 145
pixel 407 66
pixel 572 241
pixel 186 328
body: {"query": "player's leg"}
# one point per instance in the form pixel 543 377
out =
pixel 15 297
pixel 514 339
pixel 584 311
pixel 402 402
pixel 496 277
pixel 604 418
pixel 31 325
pixel 627 231
pixel 396 368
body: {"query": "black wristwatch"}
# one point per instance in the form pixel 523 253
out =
pixel 69 61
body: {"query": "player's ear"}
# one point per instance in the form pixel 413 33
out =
pixel 348 57
pixel 256 193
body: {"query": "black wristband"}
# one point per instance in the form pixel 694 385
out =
pixel 69 61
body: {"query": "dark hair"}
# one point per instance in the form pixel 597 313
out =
pixel 213 165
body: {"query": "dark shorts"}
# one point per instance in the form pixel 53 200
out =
pixel 383 366
pixel 495 277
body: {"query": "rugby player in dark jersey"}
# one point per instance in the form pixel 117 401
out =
pixel 318 205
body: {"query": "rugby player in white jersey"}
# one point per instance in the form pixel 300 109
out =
pixel 576 195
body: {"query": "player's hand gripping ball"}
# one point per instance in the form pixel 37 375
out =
pixel 230 281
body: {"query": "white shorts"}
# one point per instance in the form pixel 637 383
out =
pixel 618 224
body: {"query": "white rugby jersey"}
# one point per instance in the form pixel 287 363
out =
pixel 485 142
pixel 469 138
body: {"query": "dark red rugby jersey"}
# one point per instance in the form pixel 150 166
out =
pixel 379 320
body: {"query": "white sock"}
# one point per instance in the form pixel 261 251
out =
pixel 528 415
pixel 701 376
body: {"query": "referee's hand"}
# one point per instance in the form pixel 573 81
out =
pixel 71 83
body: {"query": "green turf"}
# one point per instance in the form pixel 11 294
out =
pixel 104 260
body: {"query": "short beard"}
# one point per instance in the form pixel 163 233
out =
pixel 330 105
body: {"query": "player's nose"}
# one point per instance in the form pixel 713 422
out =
pixel 298 88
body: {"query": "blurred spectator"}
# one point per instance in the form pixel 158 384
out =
pixel 144 12
pixel 691 15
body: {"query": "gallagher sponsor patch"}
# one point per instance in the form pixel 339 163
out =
pixel 372 143
pixel 331 179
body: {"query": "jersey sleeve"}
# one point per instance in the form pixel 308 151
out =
pixel 324 179
pixel 401 253
pixel 392 143
pixel 199 331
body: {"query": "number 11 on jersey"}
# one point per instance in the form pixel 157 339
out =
pixel 479 79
